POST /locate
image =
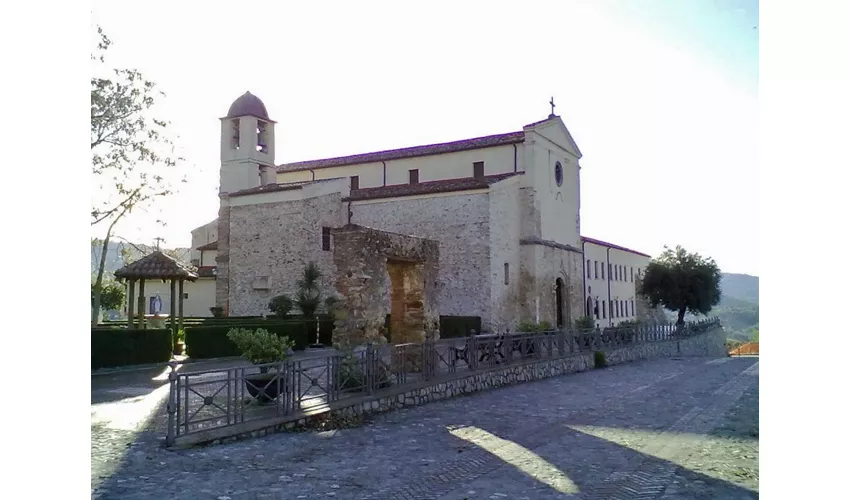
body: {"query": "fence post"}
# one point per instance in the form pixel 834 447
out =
pixel 369 368
pixel 171 434
pixel 472 352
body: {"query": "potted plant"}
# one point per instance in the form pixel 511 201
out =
pixel 261 347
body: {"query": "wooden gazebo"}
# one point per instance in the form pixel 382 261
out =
pixel 157 266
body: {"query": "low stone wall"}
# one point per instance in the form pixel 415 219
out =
pixel 708 344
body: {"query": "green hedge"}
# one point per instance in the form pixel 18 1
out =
pixel 212 342
pixel 458 326
pixel 112 347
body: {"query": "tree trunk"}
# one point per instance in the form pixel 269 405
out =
pixel 98 283
pixel 681 320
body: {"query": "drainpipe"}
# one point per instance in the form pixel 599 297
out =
pixel 514 157
pixel 385 172
pixel 314 173
pixel 608 262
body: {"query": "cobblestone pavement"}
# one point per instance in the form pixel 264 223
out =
pixel 667 429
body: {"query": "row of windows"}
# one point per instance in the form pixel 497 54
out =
pixel 616 272
pixel 413 175
pixel 617 308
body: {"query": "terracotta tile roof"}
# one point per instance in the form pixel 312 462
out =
pixel 213 245
pixel 397 154
pixel 156 265
pixel 432 187
pixel 611 245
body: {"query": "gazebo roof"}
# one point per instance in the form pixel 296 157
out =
pixel 157 265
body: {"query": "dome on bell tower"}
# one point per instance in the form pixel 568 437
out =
pixel 248 105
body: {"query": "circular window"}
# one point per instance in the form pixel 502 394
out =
pixel 559 173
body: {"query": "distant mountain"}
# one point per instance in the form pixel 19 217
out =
pixel 738 309
pixel 115 260
pixel 740 286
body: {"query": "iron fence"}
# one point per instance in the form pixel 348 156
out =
pixel 203 400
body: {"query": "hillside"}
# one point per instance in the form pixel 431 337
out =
pixel 742 287
pixel 115 260
pixel 739 305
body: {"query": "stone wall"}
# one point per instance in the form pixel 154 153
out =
pixel 708 344
pixel 542 263
pixel 378 272
pixel 222 258
pixel 269 245
pixel 460 223
pixel 505 230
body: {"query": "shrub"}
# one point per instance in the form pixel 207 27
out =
pixel 112 347
pixel 585 323
pixel 599 360
pixel 212 342
pixel 281 305
pixel 260 346
pixel 532 327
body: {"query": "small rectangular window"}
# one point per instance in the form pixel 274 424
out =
pixel 616 273
pixel 633 307
pixel 478 169
pixel 603 309
pixel 611 307
pixel 326 238
pixel 414 176
pixel 355 182
pixel 507 273
pixel 185 295
pixel 588 268
pixel 632 274
pixel 596 269
pixel 622 273
pixel 617 308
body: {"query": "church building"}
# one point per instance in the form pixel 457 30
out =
pixel 504 210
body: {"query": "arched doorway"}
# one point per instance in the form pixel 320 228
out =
pixel 559 302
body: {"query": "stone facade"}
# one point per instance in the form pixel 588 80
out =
pixel 378 273
pixel 460 223
pixel 707 344
pixel 543 265
pixel 274 242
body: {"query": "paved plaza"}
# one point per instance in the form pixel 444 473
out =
pixel 667 429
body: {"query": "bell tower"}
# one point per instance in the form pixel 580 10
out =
pixel 247 146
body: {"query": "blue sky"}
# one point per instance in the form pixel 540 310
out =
pixel 661 96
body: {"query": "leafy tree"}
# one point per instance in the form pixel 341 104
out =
pixel 112 295
pixel 682 282
pixel 309 296
pixel 127 144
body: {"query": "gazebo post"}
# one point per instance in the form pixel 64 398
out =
pixel 131 304
pixel 180 312
pixel 171 315
pixel 141 303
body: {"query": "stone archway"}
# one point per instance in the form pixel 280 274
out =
pixel 369 263
pixel 559 303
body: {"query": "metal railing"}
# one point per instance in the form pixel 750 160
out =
pixel 204 400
